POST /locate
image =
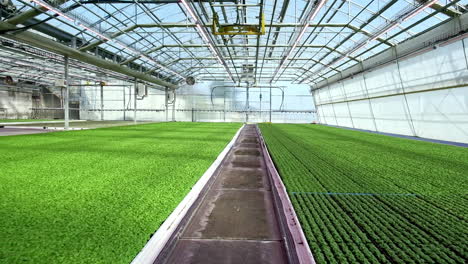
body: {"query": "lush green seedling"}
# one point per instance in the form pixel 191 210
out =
pixel 368 198
pixel 96 196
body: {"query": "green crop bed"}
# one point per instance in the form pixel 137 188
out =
pixel 368 198
pixel 96 196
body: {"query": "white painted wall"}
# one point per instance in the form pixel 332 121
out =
pixel 119 103
pixel 224 105
pixel 438 114
pixel 16 104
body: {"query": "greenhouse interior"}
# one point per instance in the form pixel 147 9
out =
pixel 233 131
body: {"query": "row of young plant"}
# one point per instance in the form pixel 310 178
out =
pixel 375 162
pixel 442 225
pixel 361 229
pixel 97 196
pixel 332 234
pixel 366 198
pixel 320 170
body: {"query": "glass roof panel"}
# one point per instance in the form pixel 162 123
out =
pixel 299 33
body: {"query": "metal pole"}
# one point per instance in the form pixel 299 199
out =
pixel 166 103
pixel 102 101
pixel 135 102
pixel 247 104
pixel 124 106
pixel 66 96
pixel 173 105
pixel 270 102
pixel 261 120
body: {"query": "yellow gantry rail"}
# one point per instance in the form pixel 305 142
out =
pixel 238 29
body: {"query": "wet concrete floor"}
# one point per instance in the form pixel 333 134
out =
pixel 10 131
pixel 236 221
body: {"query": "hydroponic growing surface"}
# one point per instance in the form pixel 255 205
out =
pixel 96 196
pixel 368 198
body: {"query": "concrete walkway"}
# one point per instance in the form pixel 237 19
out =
pixel 236 221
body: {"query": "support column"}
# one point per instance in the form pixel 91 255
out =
pixel 247 106
pixel 124 105
pixel 135 102
pixel 166 94
pixel 102 100
pixel 66 99
pixel 270 103
pixel 261 115
pixel 173 105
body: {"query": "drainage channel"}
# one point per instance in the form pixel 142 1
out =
pixel 237 219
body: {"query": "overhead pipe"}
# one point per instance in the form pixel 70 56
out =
pixel 230 46
pixel 51 45
pixel 23 17
pixel 257 52
pixel 185 25
pixel 66 99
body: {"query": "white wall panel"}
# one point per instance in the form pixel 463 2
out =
pixel 328 114
pixel 391 115
pixel 441 114
pixel 336 92
pixel 444 66
pixel 362 116
pixel 342 115
pixel 465 44
pixel 321 96
pixel 383 81
pixel 438 114
pixel 320 116
pixel 355 87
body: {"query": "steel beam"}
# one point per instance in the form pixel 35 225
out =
pixel 185 25
pixel 230 46
pixel 66 98
pixel 135 90
pixel 101 86
pixel 235 58
pixel 23 17
pixel 145 1
pixel 442 9
pixel 53 46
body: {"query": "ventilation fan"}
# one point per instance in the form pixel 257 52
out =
pixel 8 80
pixel 190 80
